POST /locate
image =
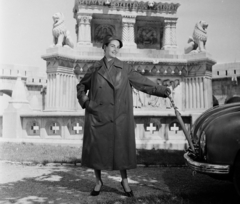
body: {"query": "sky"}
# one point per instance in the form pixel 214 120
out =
pixel 26 28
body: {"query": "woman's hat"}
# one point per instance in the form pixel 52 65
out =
pixel 107 39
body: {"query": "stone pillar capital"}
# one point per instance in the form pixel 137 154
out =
pixel 129 19
pixel 170 20
pixel 169 34
pixel 84 29
pixel 84 18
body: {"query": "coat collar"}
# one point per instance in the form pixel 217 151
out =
pixel 102 69
pixel 117 63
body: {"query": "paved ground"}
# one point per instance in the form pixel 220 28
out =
pixel 72 184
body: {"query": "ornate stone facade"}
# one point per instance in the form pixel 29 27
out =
pixel 150 27
pixel 148 32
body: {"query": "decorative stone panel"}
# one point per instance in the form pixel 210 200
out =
pixel 33 128
pixel 152 124
pixel 149 32
pixel 75 126
pixel 53 128
pixel 160 132
pixel 103 25
pixel 100 31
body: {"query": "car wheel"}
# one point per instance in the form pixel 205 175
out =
pixel 236 173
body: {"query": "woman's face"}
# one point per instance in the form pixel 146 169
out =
pixel 112 49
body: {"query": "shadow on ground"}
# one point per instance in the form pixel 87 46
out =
pixel 69 184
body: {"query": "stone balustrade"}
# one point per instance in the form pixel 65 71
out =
pixel 157 130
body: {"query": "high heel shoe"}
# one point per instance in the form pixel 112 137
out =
pixel 128 194
pixel 96 193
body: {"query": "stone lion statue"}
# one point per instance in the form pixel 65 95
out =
pixel 61 36
pixel 197 42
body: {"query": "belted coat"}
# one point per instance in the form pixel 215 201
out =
pixel 109 136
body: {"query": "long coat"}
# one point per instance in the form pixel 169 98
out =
pixel 109 137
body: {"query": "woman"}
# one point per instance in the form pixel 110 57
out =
pixel 109 140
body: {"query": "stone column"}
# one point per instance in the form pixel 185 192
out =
pixel 169 34
pixel 84 29
pixel 61 86
pixel 128 35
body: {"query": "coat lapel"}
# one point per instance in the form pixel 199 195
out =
pixel 118 63
pixel 104 72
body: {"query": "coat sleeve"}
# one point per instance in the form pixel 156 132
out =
pixel 144 84
pixel 83 86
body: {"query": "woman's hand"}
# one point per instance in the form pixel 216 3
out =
pixel 167 92
pixel 86 104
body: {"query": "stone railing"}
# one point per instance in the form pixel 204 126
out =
pixel 159 130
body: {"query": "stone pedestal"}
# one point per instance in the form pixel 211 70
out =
pixel 61 86
pixel 198 82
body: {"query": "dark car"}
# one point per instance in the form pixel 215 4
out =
pixel 216 139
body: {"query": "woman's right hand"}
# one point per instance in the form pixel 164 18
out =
pixel 86 104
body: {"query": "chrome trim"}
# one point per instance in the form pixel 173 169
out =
pixel 206 168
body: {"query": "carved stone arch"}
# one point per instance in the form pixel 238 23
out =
pixel 174 126
pixel 53 127
pixel 147 68
pixel 171 7
pixel 165 6
pixel 156 122
pixel 162 70
pixel 159 81
pixel 75 126
pixel 61 63
pixel 166 82
pixel 33 128
pixel 77 69
pixel 159 6
pixel 184 71
pixel 85 67
pixel 169 70
pixel 176 70
pixel 135 5
pixel 135 67
pixel 154 69
pixel 139 68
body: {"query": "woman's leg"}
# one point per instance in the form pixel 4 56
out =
pixel 125 180
pixel 98 180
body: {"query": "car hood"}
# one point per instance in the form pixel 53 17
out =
pixel 205 119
